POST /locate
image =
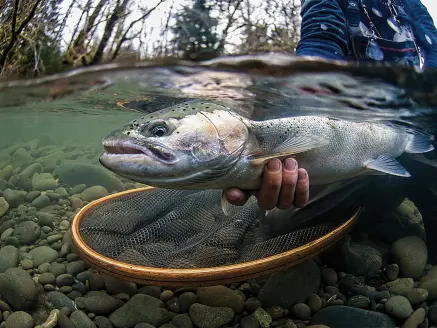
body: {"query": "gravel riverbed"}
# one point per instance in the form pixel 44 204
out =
pixel 360 283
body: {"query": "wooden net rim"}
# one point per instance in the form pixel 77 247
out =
pixel 199 276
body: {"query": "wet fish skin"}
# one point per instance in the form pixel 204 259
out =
pixel 204 145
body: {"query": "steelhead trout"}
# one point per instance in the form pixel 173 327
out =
pixel 204 145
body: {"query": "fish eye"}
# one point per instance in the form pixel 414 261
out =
pixel 159 131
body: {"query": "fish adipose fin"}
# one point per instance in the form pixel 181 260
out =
pixel 419 143
pixel 290 146
pixel 387 165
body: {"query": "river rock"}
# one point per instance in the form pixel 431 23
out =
pixel 5 184
pixel 417 296
pixel 23 180
pixel 75 267
pixel 4 207
pixel 60 300
pixel 140 308
pixel 19 319
pixel 6 172
pixel 14 197
pixel 204 316
pixel 431 286
pixel 415 319
pixel 399 307
pixel 73 173
pixel 392 271
pixel 41 201
pixel 411 254
pixel 45 219
pixel 80 319
pixel 21 158
pixel 27 232
pixel 220 296
pixel 360 258
pixel 50 161
pixel 18 289
pixel 347 317
pixel 116 286
pixel 43 181
pixel 432 314
pixel 43 254
pixel 93 193
pixel 99 303
pixel 8 258
pixel 400 286
pixel 290 286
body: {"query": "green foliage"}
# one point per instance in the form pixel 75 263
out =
pixel 195 31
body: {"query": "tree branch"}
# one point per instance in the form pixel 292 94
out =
pixel 119 9
pixel 124 36
pixel 15 33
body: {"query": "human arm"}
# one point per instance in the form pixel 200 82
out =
pixel 324 31
pixel 425 31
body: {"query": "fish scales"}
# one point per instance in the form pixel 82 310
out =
pixel 205 145
pixel 350 145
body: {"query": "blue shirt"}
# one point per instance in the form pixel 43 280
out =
pixel 325 32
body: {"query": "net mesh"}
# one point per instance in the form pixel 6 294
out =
pixel 184 229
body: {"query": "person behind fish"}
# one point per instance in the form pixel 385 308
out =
pixel 357 30
pixel 400 32
pixel 396 31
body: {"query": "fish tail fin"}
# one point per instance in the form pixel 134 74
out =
pixel 419 142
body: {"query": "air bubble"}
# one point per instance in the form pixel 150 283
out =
pixel 377 12
pixel 394 25
pixel 323 27
pixel 428 39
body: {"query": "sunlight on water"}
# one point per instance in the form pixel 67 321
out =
pixel 253 85
pixel 82 106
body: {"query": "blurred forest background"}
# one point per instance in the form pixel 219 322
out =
pixel 40 37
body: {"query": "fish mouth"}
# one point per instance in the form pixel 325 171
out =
pixel 126 150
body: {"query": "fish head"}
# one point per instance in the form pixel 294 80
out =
pixel 178 143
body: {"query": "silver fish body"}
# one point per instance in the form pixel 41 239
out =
pixel 203 145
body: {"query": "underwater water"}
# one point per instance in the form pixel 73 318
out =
pixel 383 274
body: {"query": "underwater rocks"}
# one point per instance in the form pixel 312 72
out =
pixel 362 282
pixel 42 175
pixel 139 309
pixel 9 258
pixel 93 193
pixel 18 289
pixel 347 317
pixel 21 158
pixel 4 207
pixel 73 173
pixel 221 296
pixel 204 316
pixel 292 285
pixel 410 253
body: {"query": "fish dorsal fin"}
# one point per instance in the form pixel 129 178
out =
pixel 290 146
pixel 387 165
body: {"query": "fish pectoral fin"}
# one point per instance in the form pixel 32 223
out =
pixel 387 165
pixel 290 146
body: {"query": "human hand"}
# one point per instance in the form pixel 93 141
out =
pixel 283 185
